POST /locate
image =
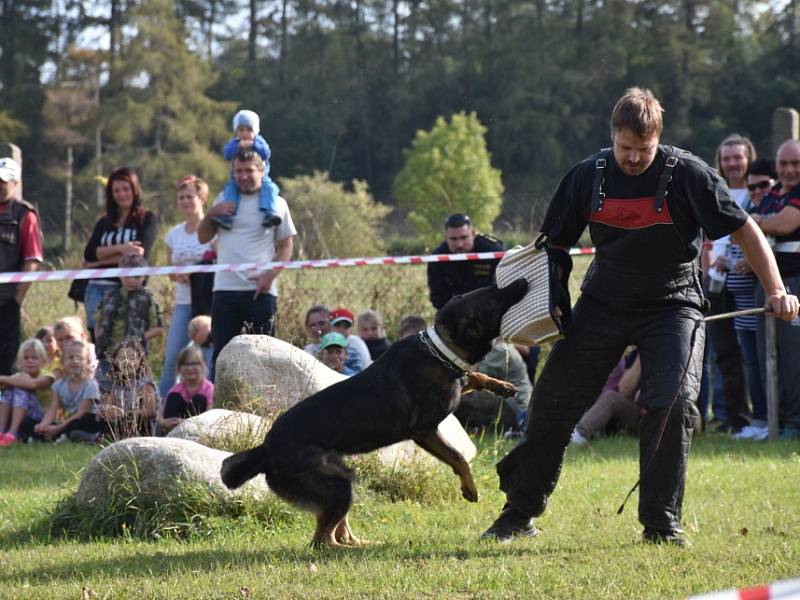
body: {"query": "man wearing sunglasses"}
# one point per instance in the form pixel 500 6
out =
pixel 448 279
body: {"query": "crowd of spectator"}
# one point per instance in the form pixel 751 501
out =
pixel 85 380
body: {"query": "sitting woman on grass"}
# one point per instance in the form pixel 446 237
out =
pixel 76 395
pixel 20 400
pixel 192 395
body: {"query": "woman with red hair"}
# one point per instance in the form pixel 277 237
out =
pixel 125 228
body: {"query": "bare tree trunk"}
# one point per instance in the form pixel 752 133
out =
pixel 115 41
pixel 68 202
pixel 284 44
pixel 98 146
pixel 252 35
pixel 8 44
pixel 366 152
pixel 396 35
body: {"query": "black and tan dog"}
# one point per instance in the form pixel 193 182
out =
pixel 403 395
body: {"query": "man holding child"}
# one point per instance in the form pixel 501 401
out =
pixel 246 297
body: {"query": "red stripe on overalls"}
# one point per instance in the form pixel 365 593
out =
pixel 632 213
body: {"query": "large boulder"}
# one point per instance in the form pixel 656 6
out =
pixel 155 468
pixel 223 429
pixel 264 375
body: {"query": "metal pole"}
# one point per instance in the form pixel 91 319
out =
pixel 772 378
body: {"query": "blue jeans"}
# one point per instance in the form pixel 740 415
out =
pixel 91 301
pixel 230 311
pixel 177 338
pixel 747 341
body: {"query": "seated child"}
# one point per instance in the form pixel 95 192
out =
pixel 130 311
pixel 48 339
pixel 200 337
pixel 333 352
pixel 411 325
pixel 370 329
pixel 130 402
pixel 246 127
pixel 194 394
pixel 358 357
pixel 75 395
pixel 71 328
pixel 20 404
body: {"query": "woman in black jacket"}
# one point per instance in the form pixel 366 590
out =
pixel 125 228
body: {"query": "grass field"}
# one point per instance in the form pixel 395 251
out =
pixel 741 513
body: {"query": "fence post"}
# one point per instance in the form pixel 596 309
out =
pixel 785 126
pixel 773 400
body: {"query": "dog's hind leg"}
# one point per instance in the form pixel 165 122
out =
pixel 436 445
pixel 334 480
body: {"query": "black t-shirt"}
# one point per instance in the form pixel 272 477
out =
pixel 644 258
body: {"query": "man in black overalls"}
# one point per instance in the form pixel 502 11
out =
pixel 645 205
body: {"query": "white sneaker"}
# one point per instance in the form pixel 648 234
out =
pixel 62 439
pixel 577 438
pixel 762 434
pixel 746 433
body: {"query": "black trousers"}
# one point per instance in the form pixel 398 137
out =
pixel 175 406
pixel 670 342
pixel 10 335
pixel 729 360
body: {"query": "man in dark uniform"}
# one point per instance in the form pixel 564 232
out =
pixel 20 250
pixel 645 205
pixel 448 279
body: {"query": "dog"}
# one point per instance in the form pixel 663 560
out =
pixel 403 395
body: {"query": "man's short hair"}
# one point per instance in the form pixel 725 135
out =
pixel 735 139
pixel 638 110
pixel 248 154
pixel 411 324
pixel 457 220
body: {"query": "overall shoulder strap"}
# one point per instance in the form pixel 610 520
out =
pixel 598 196
pixel 666 176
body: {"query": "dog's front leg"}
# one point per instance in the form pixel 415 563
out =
pixel 435 444
pixel 479 381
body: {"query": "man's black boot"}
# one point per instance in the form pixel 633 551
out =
pixel 672 537
pixel 509 525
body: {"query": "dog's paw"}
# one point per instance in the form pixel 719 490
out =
pixel 504 389
pixel 470 494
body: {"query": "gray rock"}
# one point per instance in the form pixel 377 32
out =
pixel 223 429
pixel 156 468
pixel 264 375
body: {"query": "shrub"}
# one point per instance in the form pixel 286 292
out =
pixel 332 221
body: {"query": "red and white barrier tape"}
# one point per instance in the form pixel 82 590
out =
pixel 780 590
pixel 256 267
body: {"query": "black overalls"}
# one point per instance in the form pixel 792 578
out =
pixel 643 288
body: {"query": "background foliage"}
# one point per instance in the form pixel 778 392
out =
pixel 342 87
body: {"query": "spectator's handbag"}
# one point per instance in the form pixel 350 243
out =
pixel 77 290
pixel 532 320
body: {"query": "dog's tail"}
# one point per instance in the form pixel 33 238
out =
pixel 241 467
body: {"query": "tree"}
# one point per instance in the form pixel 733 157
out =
pixel 161 123
pixel 449 170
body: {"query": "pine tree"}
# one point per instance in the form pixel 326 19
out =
pixel 162 123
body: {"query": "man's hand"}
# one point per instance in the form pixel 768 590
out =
pixel 783 306
pixel 222 208
pixel 264 282
pixel 134 247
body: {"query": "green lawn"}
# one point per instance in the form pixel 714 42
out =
pixel 741 513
